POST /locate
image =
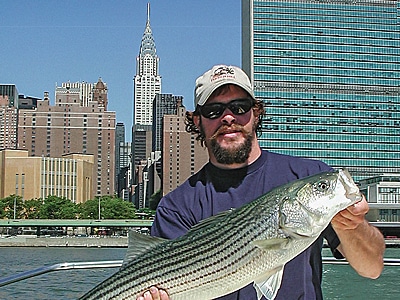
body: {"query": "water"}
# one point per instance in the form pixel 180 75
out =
pixel 339 281
pixel 342 282
pixel 69 284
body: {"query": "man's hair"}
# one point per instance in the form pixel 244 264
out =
pixel 192 128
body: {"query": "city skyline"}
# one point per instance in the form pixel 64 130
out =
pixel 47 44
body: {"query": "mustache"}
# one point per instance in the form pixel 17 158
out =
pixel 227 129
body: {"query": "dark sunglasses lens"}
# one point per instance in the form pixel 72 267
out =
pixel 212 111
pixel 240 107
pixel 215 110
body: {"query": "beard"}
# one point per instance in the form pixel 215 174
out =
pixel 233 155
pixel 236 155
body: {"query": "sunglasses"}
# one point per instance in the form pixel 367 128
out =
pixel 237 107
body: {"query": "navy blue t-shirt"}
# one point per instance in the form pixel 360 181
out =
pixel 213 190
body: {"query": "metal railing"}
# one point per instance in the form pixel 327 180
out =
pixel 59 267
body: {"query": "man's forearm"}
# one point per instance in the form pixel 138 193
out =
pixel 364 248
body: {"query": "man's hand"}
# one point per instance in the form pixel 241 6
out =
pixel 154 294
pixel 360 243
pixel 351 217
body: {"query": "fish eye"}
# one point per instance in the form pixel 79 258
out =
pixel 322 185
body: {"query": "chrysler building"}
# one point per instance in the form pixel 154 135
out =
pixel 147 81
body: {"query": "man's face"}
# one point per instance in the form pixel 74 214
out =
pixel 229 137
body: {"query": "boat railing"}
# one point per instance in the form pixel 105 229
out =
pixel 60 267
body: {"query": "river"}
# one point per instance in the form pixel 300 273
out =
pixel 339 281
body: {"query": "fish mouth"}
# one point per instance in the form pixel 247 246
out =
pixel 352 191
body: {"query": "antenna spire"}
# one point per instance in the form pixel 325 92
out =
pixel 148 12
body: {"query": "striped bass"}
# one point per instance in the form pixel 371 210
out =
pixel 228 251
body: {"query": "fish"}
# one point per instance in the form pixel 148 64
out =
pixel 230 250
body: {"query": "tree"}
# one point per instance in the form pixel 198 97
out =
pixel 32 208
pixel 89 209
pixel 54 207
pixel 7 207
pixel 115 208
pixel 110 208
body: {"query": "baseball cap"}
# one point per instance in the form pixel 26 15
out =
pixel 220 75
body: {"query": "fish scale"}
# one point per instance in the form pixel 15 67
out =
pixel 230 250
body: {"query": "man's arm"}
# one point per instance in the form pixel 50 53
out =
pixel 361 243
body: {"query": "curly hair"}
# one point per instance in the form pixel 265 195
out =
pixel 192 128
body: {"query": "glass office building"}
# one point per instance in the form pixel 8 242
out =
pixel 329 74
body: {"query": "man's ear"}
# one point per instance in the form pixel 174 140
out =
pixel 196 121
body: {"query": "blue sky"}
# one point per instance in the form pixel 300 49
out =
pixel 44 43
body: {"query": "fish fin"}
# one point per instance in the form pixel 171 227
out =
pixel 214 219
pixel 269 287
pixel 268 244
pixel 138 244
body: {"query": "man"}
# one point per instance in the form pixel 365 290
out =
pixel 226 119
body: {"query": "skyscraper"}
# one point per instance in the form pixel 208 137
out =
pixel 147 81
pixel 73 126
pixel 123 152
pixel 83 91
pixel 119 143
pixel 329 73
pixel 182 154
pixel 11 91
pixel 8 124
pixel 141 143
pixel 163 104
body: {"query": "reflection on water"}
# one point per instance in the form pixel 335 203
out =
pixel 69 284
pixel 342 282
